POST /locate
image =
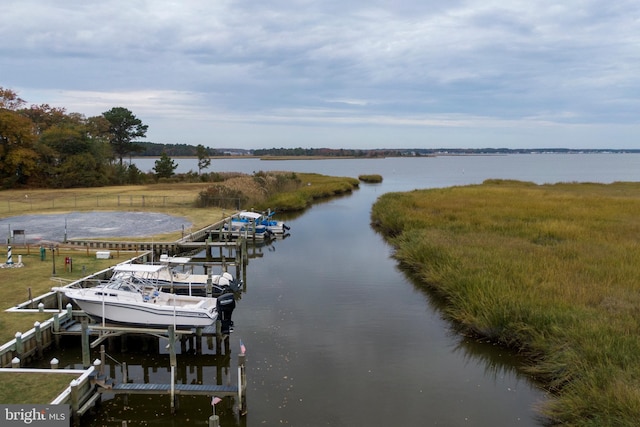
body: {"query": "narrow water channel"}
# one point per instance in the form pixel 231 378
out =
pixel 336 336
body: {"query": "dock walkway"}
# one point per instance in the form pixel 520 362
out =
pixel 190 389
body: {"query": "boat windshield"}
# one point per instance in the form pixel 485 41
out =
pixel 122 285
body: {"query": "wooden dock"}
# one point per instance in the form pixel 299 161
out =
pixel 84 392
pixel 208 238
pixel 190 389
pixel 175 390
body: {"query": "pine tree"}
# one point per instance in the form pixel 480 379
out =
pixel 165 166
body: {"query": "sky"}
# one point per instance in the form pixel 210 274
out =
pixel 339 74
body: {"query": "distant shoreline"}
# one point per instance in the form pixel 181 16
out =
pixel 429 153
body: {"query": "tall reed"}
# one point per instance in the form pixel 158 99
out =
pixel 548 270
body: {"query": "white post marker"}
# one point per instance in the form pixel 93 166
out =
pixel 214 420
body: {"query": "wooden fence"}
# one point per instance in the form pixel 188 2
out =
pixel 42 203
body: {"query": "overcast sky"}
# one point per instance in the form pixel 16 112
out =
pixel 339 74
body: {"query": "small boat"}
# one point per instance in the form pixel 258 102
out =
pixel 167 276
pixel 273 226
pixel 245 225
pixel 127 302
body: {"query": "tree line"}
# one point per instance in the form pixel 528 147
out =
pixel 327 152
pixel 154 149
pixel 44 146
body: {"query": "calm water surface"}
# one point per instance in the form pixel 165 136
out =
pixel 402 174
pixel 337 336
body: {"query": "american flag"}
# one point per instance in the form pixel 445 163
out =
pixel 215 400
pixel 243 349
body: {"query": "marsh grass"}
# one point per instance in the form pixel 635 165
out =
pixel 312 187
pixel 548 270
pixel 370 178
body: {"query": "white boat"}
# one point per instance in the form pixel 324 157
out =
pixel 276 227
pixel 262 219
pixel 126 302
pixel 167 277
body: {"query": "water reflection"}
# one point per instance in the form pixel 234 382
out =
pixel 496 361
pixel 143 359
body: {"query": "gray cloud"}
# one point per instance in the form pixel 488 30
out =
pixel 359 74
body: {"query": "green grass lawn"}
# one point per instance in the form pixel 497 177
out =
pixel 32 388
pixel 17 284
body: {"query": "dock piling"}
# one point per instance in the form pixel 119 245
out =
pixel 75 401
pixel 125 373
pixel 19 346
pixel 38 331
pixel 86 351
pixel 56 329
pixel 103 360
pixel 242 383
pixel 173 389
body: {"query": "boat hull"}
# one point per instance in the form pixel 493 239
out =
pixel 240 229
pixel 150 316
pixel 123 303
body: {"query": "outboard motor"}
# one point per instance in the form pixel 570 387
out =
pixel 231 282
pixel 225 304
pixel 223 284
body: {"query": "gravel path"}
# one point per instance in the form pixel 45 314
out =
pixel 89 225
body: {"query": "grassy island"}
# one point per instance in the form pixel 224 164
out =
pixel 550 271
pixel 371 178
